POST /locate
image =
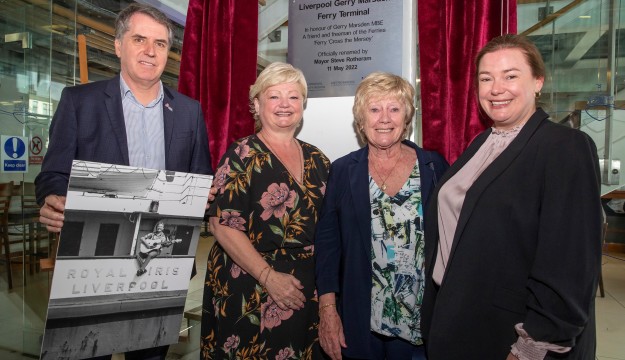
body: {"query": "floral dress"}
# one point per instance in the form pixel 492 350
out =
pixel 397 260
pixel 258 196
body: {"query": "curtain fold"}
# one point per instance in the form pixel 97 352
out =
pixel 218 66
pixel 451 32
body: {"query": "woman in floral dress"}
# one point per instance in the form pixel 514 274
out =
pixel 259 296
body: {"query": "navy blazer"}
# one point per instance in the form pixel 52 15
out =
pixel 527 249
pixel 89 125
pixel 343 240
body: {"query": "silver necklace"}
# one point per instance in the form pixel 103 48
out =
pixel 301 155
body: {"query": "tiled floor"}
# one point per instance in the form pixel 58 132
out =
pixel 610 312
pixel 190 349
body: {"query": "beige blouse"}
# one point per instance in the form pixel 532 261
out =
pixel 452 193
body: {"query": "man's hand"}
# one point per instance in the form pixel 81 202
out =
pixel 51 213
pixel 211 196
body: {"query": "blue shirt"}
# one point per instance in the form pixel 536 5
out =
pixel 144 129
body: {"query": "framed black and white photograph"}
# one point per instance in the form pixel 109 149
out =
pixel 125 257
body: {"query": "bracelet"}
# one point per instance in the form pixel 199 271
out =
pixel 260 276
pixel 326 305
pixel 267 277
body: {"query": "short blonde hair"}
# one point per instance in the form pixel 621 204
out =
pixel 379 85
pixel 274 74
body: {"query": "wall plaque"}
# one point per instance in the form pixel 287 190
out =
pixel 337 43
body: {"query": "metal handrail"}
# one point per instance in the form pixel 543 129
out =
pixel 552 17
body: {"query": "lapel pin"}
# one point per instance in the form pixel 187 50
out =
pixel 169 107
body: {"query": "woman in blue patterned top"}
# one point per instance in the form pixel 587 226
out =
pixel 369 240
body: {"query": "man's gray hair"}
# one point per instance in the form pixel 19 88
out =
pixel 122 23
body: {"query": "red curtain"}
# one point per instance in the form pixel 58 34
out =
pixel 451 32
pixel 218 66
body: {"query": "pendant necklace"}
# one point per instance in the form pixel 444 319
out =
pixel 383 185
pixel 301 155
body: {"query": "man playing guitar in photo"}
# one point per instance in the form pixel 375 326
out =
pixel 151 245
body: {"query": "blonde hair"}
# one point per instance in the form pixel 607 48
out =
pixel 382 85
pixel 274 74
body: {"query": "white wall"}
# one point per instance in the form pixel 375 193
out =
pixel 328 124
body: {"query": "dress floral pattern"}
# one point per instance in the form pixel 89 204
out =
pixel 397 259
pixel 257 195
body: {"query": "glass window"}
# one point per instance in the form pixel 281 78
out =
pixel 72 236
pixel 107 239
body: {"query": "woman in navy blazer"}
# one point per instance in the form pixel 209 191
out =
pixel 513 261
pixel 369 239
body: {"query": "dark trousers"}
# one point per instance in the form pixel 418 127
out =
pixel 390 348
